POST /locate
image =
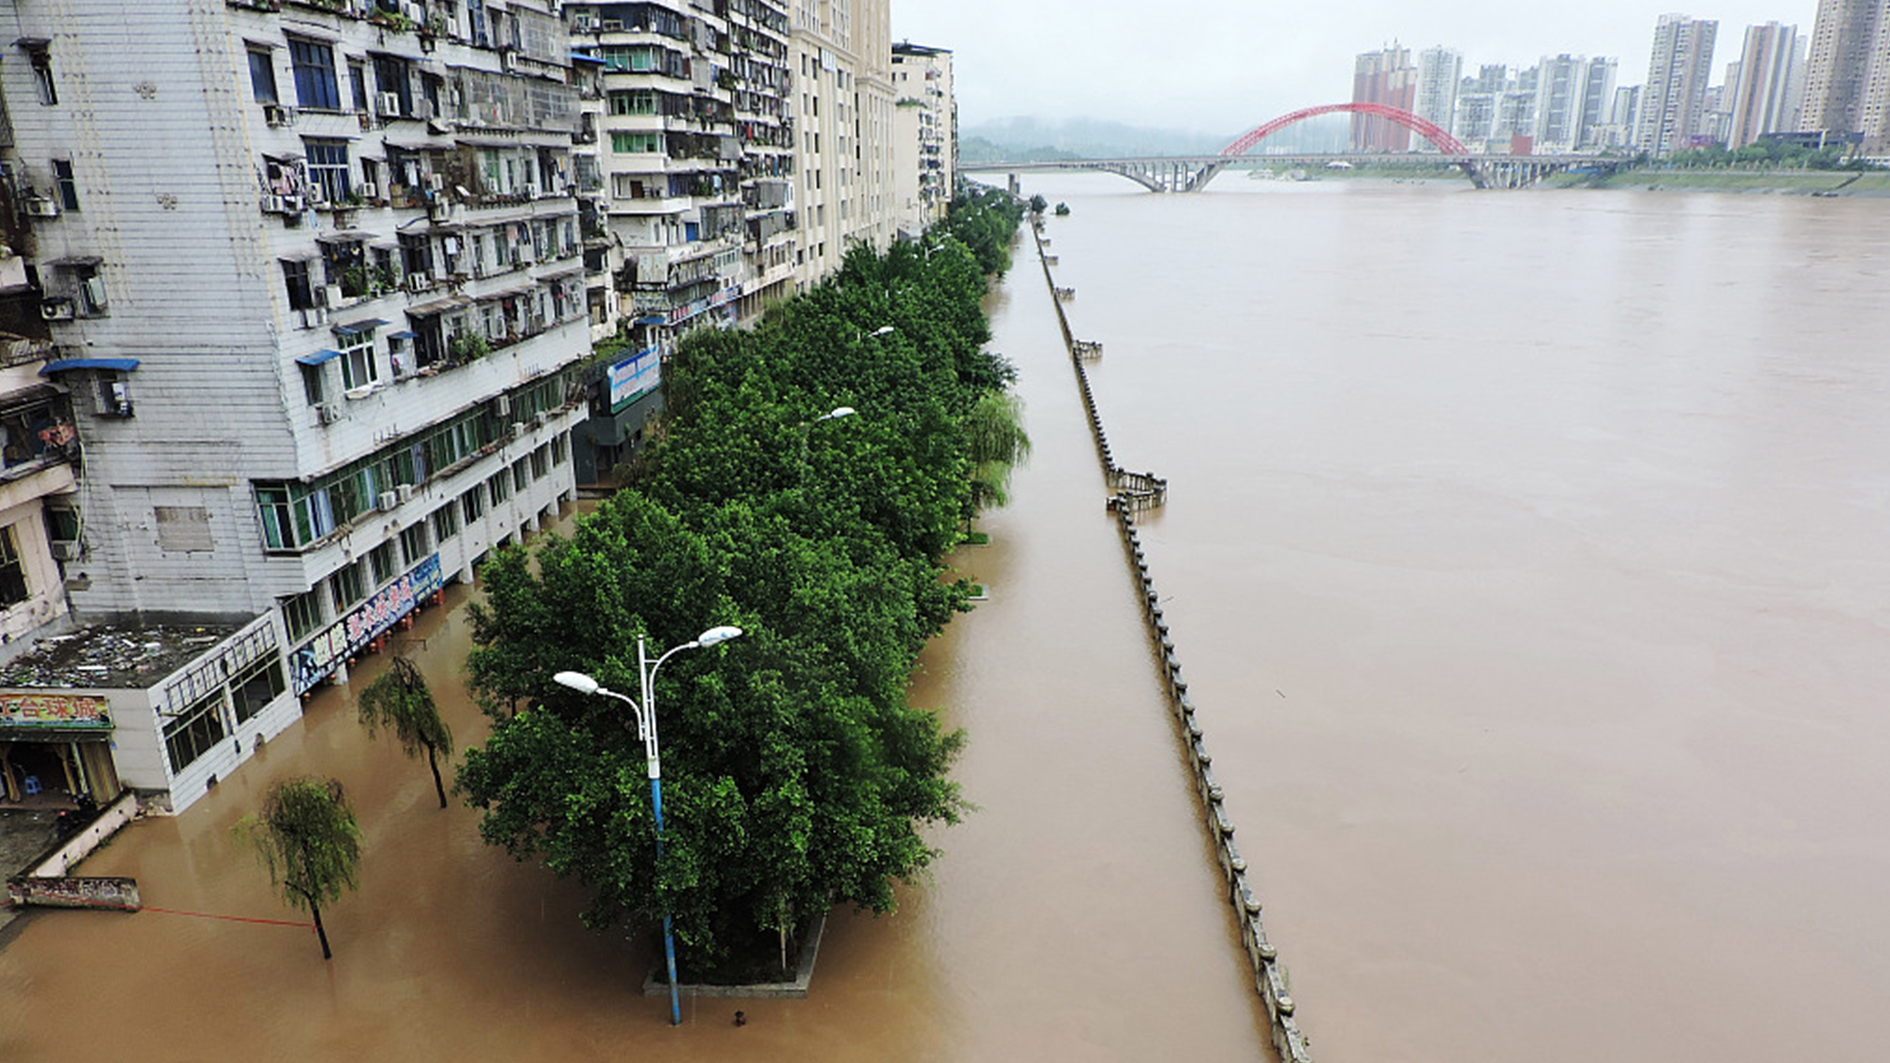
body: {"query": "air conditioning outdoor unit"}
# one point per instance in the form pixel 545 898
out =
pixel 274 204
pixel 278 116
pixel 331 295
pixel 611 25
pixel 56 310
pixel 67 549
pixel 389 105
pixel 42 207
pixel 419 282
pixel 317 195
pixel 518 429
pixel 369 190
pixel 405 491
pixel 538 419
pixel 329 413
pixel 387 501
pixel 95 294
pixel 502 406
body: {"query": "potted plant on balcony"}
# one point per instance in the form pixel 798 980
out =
pixel 468 347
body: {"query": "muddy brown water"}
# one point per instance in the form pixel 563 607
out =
pixel 1074 916
pixel 1529 555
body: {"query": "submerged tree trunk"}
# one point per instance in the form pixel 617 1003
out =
pixel 433 762
pixel 316 911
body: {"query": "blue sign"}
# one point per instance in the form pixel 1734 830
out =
pixel 634 377
pixel 314 659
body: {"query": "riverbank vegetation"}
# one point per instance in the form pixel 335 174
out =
pixel 797 775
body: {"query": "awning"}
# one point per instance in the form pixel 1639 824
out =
pixel 508 292
pixel 402 335
pixel 323 355
pixel 355 328
pixel 343 236
pixel 121 364
pixel 575 267
pixel 71 261
pixel 586 57
pixel 439 306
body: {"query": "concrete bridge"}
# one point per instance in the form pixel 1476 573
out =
pixel 1191 173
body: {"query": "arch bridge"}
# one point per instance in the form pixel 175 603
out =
pixel 1184 173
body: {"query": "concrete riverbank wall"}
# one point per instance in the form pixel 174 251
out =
pixel 1129 494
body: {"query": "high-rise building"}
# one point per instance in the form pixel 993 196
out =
pixel 1762 84
pixel 1674 97
pixel 1559 101
pixel 1439 72
pixel 315 277
pixel 1597 100
pixel 925 125
pixel 1385 77
pixel 841 54
pixel 1845 56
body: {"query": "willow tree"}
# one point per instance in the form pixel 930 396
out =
pixel 995 441
pixel 306 835
pixel 400 701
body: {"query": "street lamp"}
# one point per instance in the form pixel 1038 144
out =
pixel 807 429
pixel 652 756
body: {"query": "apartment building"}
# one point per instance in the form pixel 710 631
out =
pixel 1384 77
pixel 925 150
pixel 313 277
pixel 1766 85
pixel 841 56
pixel 1673 101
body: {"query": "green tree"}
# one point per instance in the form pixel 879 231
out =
pixel 399 701
pixel 306 836
pixel 996 442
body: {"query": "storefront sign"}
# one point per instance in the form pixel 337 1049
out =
pixel 63 711
pixel 635 377
pixel 320 655
pixel 705 304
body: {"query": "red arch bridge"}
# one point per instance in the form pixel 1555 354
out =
pixel 1191 173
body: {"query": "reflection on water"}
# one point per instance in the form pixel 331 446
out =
pixel 1074 916
pixel 1531 557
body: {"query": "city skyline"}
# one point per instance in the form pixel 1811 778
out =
pixel 1262 63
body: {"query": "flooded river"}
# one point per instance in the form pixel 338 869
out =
pixel 1074 916
pixel 1530 557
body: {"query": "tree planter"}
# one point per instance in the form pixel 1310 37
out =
pixel 654 986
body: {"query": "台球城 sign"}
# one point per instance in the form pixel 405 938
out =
pixel 62 711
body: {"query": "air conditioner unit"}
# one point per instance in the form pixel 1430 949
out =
pixel 274 204
pixel 278 116
pixel 41 207
pixel 331 295
pixel 611 25
pixel 584 22
pixel 329 413
pixel 502 406
pixel 389 105
pixel 95 294
pixel 56 309
pixel 405 491
pixel 67 549
pixel 436 182
pixel 518 429
pixel 317 195
pixel 539 419
pixel 419 282
pixel 368 190
pixel 387 501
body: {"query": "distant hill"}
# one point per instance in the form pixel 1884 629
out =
pixel 1026 139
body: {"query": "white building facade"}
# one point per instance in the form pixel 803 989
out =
pixel 925 153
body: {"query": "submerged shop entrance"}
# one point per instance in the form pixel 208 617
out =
pixel 55 749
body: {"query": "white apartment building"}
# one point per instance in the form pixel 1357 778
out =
pixel 1766 84
pixel 925 149
pixel 1439 72
pixel 841 57
pixel 313 272
pixel 1673 101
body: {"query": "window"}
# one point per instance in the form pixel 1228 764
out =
pixel 635 143
pixel 560 448
pixel 632 103
pixel 257 685
pixel 302 614
pixel 313 63
pixel 473 504
pixel 414 545
pixel 521 474
pixel 191 733
pixel 445 523
pixel 497 489
pixel 390 76
pixel 312 387
pixel 328 168
pixel 541 462
pixel 67 186
pixel 382 562
pixel 295 279
pixel 262 75
pixel 359 366
pixel 13 589
pixel 42 74
pixel 357 82
pixel 183 529
pixel 344 587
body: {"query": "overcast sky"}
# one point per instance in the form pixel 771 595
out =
pixel 1222 66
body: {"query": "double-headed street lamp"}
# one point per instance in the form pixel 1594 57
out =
pixel 807 429
pixel 646 728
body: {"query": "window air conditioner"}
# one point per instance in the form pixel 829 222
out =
pixel 419 282
pixel 368 190
pixel 329 413
pixel 274 204
pixel 538 419
pixel 331 295
pixel 56 310
pixel 317 194
pixel 387 501
pixel 390 105
pixel 502 406
pixel 95 294
pixel 41 207
pixel 278 116
pixel 611 25
pixel 518 429
pixel 67 550
pixel 405 491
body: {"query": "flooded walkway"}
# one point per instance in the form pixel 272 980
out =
pixel 1075 915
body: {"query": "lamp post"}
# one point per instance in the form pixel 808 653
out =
pixel 652 756
pixel 807 429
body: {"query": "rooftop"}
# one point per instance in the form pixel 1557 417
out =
pixel 113 656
